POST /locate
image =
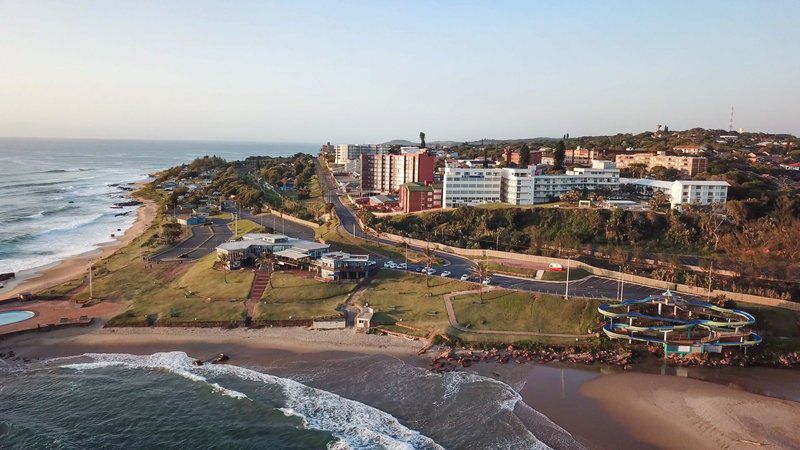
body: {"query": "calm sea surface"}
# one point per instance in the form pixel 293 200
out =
pixel 56 194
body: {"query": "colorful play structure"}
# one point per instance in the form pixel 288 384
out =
pixel 681 326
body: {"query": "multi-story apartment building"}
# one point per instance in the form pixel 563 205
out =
pixel 386 173
pixel 684 192
pixel 348 152
pixel 689 165
pixel 419 197
pixel 602 175
pixel 513 156
pixel 465 186
pixel 573 156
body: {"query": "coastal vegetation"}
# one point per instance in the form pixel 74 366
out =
pixel 291 296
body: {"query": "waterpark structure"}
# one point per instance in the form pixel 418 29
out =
pixel 682 326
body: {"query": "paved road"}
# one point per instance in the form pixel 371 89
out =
pixel 282 226
pixel 203 240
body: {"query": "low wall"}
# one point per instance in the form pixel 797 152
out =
pixel 329 324
pixel 628 278
pixel 302 222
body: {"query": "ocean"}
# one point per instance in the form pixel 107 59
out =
pixel 163 401
pixel 56 194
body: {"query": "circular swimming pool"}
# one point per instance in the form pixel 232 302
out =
pixel 9 317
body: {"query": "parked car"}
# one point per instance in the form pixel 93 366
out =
pixel 402 266
pixel 446 273
pixel 486 281
pixel 464 277
pixel 431 271
pixel 388 264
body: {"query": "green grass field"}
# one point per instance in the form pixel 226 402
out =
pixel 202 279
pixel 574 274
pixel 403 297
pixel 504 310
pixel 296 297
pixel 504 268
pixel 244 226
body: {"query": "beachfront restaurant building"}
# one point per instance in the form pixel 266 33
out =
pixel 344 266
pixel 253 245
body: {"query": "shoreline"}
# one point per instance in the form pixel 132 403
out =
pixel 627 409
pixel 38 279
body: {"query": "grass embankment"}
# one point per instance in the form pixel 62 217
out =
pixel 168 291
pixel 779 327
pixel 296 297
pixel 355 245
pixel 503 310
pixel 574 274
pixel 399 297
pixel 243 227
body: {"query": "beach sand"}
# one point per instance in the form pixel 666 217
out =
pixel 77 266
pixel 674 412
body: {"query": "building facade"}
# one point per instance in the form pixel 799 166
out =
pixel 420 197
pixel 688 165
pixel 386 173
pixel 348 152
pixel 684 192
pixel 464 186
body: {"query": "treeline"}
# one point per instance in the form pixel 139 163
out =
pixel 760 241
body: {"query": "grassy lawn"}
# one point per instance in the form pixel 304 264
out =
pixel 294 297
pixel 574 274
pixel 245 226
pixel 355 245
pixel 520 311
pixel 202 280
pixel 503 268
pixel 403 297
pixel 774 321
pixel 160 290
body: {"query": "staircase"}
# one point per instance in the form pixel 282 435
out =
pixel 260 284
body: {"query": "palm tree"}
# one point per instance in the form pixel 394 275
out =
pixel 224 260
pixel 481 271
pixel 429 260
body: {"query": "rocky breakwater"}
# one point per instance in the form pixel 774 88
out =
pixel 450 359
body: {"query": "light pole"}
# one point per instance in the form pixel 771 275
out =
pixel 566 291
pixel 91 290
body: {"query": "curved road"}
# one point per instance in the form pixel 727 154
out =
pixel 202 241
pixel 590 287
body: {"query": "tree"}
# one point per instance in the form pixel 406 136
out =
pixel 659 200
pixel 524 156
pixel 572 196
pixel 422 139
pixel 224 260
pixel 481 271
pixel 558 155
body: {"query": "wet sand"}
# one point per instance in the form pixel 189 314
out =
pixel 40 279
pixel 674 412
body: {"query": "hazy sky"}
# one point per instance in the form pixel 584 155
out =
pixel 371 71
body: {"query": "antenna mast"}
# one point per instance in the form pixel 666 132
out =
pixel 730 122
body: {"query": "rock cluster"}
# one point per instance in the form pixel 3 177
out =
pixel 450 359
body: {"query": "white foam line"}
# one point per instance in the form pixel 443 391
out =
pixel 355 424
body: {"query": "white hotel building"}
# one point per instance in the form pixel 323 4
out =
pixel 684 192
pixel 464 186
pixel 349 152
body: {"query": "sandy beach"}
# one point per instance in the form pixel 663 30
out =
pixel 674 412
pixel 38 280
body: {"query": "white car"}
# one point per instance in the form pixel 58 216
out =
pixel 464 277
pixel 388 264
pixel 446 273
pixel 431 271
pixel 402 266
pixel 486 281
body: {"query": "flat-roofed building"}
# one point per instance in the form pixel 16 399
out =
pixel 464 186
pixel 386 173
pixel 693 150
pixel 688 165
pixel 253 245
pixel 344 266
pixel 684 192
pixel 348 152
pixel 420 197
